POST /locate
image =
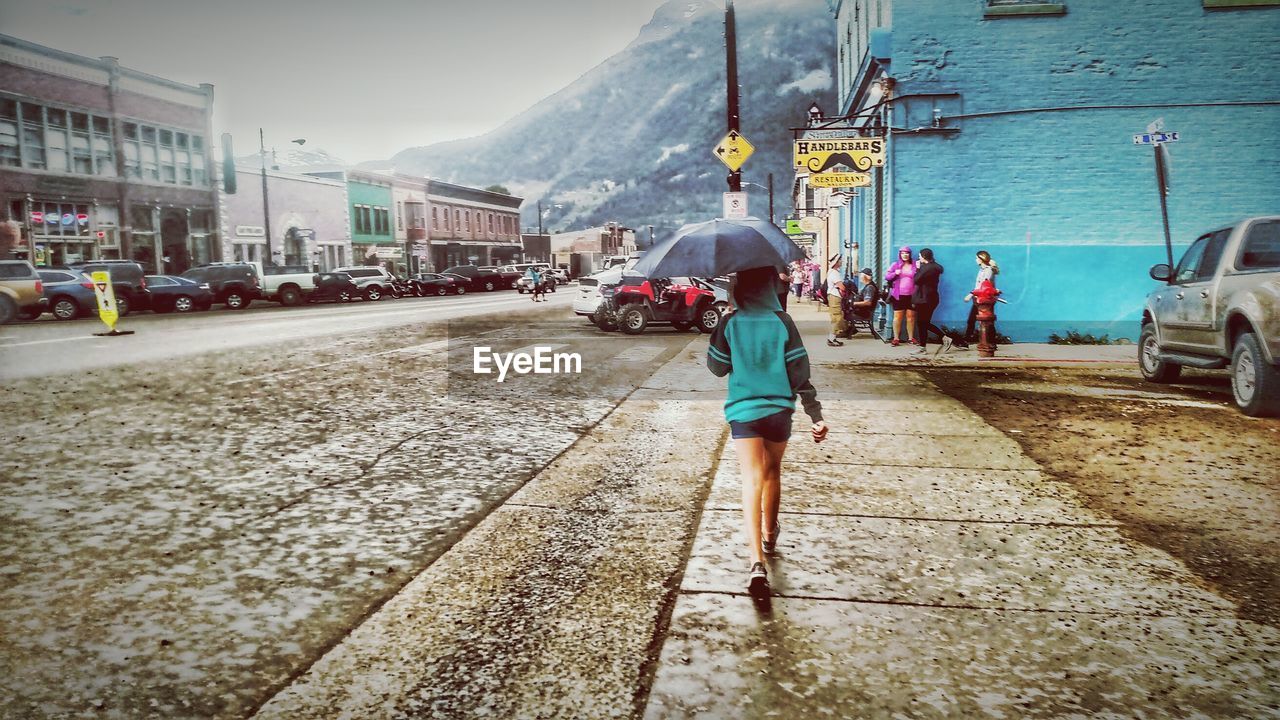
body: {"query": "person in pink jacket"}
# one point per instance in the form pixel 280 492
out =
pixel 901 279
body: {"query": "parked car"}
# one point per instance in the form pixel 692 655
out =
pixel 128 282
pixel 374 282
pixel 172 293
pixel 70 293
pixel 21 291
pixel 507 273
pixel 286 284
pixel 561 275
pixel 437 284
pixel 1220 308
pixel 333 287
pixel 235 285
pixel 479 279
pixel 590 295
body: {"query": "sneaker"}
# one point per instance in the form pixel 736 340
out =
pixel 914 341
pixel 834 343
pixel 947 344
pixel 771 545
pixel 895 342
pixel 919 351
pixel 759 582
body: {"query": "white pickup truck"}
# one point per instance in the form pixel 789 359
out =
pixel 1220 308
pixel 286 284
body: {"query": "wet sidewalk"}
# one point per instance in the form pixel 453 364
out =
pixel 927 568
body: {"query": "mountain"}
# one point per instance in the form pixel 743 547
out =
pixel 294 159
pixel 631 140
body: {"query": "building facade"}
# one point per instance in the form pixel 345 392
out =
pixel 310 220
pixel 98 161
pixel 469 226
pixel 1010 127
pixel 410 197
pixel 583 251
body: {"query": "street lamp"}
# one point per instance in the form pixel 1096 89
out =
pixel 770 191
pixel 266 206
pixel 541 213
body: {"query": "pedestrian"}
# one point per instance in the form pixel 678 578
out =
pixel 760 349
pixel 924 299
pixel 864 303
pixel 901 281
pixel 987 271
pixel 797 279
pixel 535 281
pixel 835 292
pixel 784 285
pixel 815 281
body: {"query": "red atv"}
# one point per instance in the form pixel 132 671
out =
pixel 633 307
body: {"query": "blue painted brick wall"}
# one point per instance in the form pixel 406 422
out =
pixel 1064 200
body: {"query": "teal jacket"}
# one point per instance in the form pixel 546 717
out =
pixel 760 350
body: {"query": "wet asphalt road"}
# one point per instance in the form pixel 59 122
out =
pixel 191 516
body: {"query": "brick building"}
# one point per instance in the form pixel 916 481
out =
pixel 1012 130
pixel 471 226
pixel 99 161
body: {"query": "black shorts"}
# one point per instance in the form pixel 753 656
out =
pixel 900 303
pixel 774 428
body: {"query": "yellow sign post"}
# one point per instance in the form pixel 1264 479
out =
pixel 733 150
pixel 857 154
pixel 107 310
pixel 840 180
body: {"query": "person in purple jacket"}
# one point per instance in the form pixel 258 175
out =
pixel 901 279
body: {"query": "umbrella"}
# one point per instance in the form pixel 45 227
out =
pixel 719 247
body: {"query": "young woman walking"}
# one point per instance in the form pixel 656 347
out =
pixel 987 270
pixel 760 350
pixel 925 299
pixel 901 281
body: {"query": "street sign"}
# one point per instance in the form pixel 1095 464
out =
pixel 793 227
pixel 1155 138
pixel 102 289
pixel 811 223
pixel 832 134
pixel 840 180
pixel 860 154
pixel 733 150
pixel 735 205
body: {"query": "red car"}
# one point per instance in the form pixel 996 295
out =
pixel 633 306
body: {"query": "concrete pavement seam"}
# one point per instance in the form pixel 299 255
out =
pixel 963 521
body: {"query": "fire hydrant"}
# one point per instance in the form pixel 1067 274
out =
pixel 985 296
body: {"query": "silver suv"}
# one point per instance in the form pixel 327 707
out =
pixel 374 282
pixel 1220 308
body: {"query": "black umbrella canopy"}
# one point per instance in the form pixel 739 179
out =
pixel 719 247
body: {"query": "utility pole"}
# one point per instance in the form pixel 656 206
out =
pixel 1162 185
pixel 731 66
pixel 539 217
pixel 771 216
pixel 266 210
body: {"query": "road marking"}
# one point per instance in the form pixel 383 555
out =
pixel 640 353
pixel 52 340
pixel 423 349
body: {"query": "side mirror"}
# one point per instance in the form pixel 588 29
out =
pixel 1161 272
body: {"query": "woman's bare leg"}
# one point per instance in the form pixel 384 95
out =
pixel 897 324
pixel 753 461
pixel 911 325
pixel 771 493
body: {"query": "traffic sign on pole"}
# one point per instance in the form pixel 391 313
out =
pixel 733 150
pixel 735 205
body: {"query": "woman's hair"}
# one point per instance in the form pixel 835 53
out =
pixel 748 280
pixel 984 256
pixel 927 254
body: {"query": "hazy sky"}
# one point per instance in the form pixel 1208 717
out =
pixel 361 79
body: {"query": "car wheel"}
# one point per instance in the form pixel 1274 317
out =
pixel 709 318
pixel 1255 383
pixel 122 305
pixel 8 309
pixel 488 286
pixel 184 304
pixel 1153 368
pixel 64 308
pixel 373 293
pixel 344 296
pixel 236 300
pixel 604 319
pixel 519 289
pixel 461 290
pixel 633 319
pixel 551 287
pixel 442 290
pixel 290 296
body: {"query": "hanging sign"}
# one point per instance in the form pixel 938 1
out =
pixel 860 154
pixel 840 180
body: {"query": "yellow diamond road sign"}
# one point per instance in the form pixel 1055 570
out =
pixel 734 150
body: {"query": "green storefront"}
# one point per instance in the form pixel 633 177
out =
pixel 372 241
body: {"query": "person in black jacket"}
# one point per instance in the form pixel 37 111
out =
pixel 925 297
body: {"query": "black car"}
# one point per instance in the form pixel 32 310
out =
pixel 478 279
pixel 232 284
pixel 70 293
pixel 171 293
pixel 334 287
pixel 437 284
pixel 128 282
